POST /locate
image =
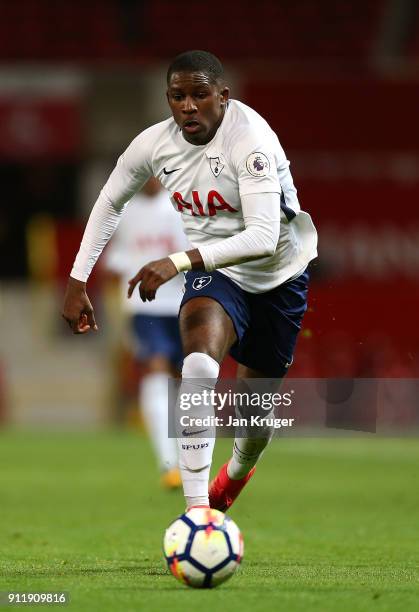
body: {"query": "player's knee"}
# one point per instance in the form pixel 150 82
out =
pixel 200 365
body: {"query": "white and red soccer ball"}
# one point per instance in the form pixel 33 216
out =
pixel 203 547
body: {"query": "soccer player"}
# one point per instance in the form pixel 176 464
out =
pixel 246 275
pixel 150 229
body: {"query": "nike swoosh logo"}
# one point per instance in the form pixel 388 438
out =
pixel 170 171
pixel 193 433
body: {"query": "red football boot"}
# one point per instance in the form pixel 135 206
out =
pixel 223 490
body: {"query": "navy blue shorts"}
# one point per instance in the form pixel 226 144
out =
pixel 157 335
pixel 266 324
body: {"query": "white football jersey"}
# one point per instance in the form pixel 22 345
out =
pixel 149 230
pixel 206 183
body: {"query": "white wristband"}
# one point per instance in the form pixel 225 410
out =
pixel 181 261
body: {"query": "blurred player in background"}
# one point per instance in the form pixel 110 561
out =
pixel 229 178
pixel 150 229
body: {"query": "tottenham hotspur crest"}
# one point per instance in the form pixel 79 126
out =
pixel 216 166
pixel 201 282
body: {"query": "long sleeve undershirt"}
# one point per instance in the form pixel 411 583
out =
pixel 261 213
pixel 262 218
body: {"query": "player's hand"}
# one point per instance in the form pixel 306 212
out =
pixel 77 309
pixel 151 276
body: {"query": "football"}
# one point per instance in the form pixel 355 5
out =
pixel 203 547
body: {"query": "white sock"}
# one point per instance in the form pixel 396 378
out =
pixel 246 453
pixel 248 448
pixel 195 482
pixel 199 372
pixel 153 394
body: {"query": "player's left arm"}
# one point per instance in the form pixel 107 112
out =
pixel 260 192
pixel 261 213
pixel 156 273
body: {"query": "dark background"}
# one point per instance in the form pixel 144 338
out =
pixel 338 81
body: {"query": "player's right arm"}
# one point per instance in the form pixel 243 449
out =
pixel 78 310
pixel 129 175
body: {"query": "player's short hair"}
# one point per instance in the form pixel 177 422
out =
pixel 197 61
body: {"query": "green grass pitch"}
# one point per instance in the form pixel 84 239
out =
pixel 329 524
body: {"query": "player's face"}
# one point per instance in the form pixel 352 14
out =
pixel 197 105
